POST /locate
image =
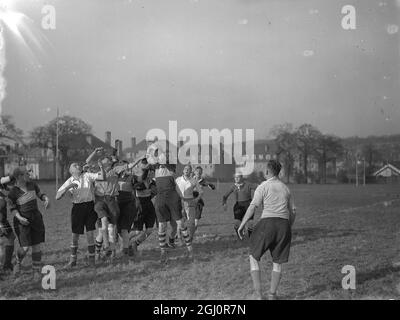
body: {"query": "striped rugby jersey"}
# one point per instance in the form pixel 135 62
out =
pixel 25 202
pixel 165 177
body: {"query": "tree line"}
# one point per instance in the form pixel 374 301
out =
pixel 302 144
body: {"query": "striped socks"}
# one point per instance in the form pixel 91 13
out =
pixel 98 246
pixel 186 238
pixel 162 239
pixel 37 261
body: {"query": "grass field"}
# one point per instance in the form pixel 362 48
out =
pixel 337 225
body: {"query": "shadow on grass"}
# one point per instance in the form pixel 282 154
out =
pixel 304 235
pixel 205 250
pixel 361 278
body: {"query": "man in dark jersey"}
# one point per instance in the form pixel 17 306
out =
pixel 146 215
pixel 28 221
pixel 167 200
pixel 7 236
pixel 242 191
pixel 198 192
pixel 127 207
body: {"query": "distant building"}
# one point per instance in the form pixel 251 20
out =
pixel 389 173
pixel 10 152
pixel 42 160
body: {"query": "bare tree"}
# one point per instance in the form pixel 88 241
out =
pixel 372 156
pixel 306 139
pixel 285 139
pixel 9 130
pixel 45 136
pixel 327 148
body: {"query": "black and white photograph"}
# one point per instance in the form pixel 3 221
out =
pixel 217 151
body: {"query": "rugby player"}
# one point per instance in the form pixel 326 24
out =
pixel 242 191
pixel 28 220
pixel 80 187
pixel 7 236
pixel 186 185
pixel 198 192
pixel 273 230
pixel 146 217
pixel 167 200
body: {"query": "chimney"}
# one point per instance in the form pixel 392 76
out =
pixel 133 142
pixel 108 138
pixel 118 147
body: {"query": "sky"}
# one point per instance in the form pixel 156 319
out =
pixel 129 66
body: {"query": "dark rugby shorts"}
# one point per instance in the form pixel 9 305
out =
pixel 32 234
pixel 83 216
pixel 127 214
pixel 199 209
pixel 107 207
pixel 146 214
pixel 273 234
pixel 168 206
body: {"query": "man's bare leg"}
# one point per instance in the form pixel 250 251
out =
pixel 275 279
pixel 256 277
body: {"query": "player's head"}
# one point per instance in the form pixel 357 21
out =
pixel 75 169
pixel 106 163
pixel 273 168
pixel 21 174
pixel 187 170
pixel 198 171
pixel 238 177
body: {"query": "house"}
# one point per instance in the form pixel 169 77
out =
pixel 10 152
pixel 42 160
pixel 389 173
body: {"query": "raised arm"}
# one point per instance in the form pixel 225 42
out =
pixel 132 165
pixel 4 180
pixel 226 196
pixel 91 156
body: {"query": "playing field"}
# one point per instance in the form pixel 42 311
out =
pixel 337 225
